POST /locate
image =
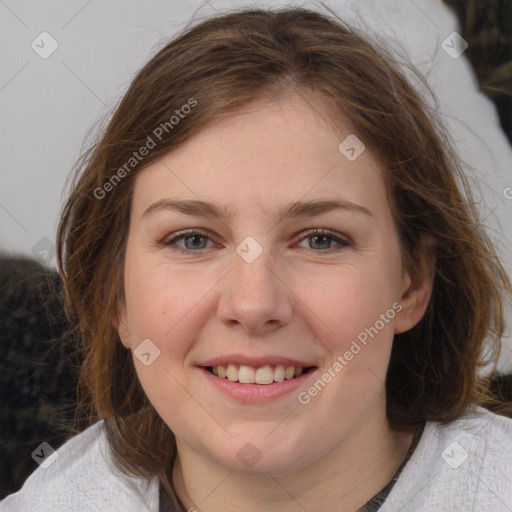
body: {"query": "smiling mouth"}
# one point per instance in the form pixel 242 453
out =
pixel 268 374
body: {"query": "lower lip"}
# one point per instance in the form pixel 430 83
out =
pixel 256 393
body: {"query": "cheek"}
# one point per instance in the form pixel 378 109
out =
pixel 349 304
pixel 350 297
pixel 163 302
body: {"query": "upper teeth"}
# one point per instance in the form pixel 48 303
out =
pixel 262 375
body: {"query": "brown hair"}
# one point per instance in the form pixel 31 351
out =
pixel 224 63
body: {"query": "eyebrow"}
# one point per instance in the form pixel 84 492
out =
pixel 292 210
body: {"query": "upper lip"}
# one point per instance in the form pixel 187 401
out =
pixel 255 362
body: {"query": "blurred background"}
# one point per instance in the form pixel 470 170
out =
pixel 64 67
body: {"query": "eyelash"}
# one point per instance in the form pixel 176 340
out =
pixel 170 242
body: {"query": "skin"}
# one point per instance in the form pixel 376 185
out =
pixel 299 298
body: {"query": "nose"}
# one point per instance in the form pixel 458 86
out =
pixel 255 296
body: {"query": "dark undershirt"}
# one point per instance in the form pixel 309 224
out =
pixel 378 500
pixel 166 504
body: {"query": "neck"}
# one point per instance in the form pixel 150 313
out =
pixel 344 479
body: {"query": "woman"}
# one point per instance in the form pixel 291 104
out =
pixel 282 288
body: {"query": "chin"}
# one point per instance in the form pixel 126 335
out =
pixel 260 455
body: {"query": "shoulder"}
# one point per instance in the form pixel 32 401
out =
pixel 81 476
pixel 465 465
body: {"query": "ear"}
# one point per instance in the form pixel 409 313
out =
pixel 121 326
pixel 417 288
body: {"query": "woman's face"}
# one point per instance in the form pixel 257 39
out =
pixel 258 294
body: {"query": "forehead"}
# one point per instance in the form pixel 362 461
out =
pixel 268 153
